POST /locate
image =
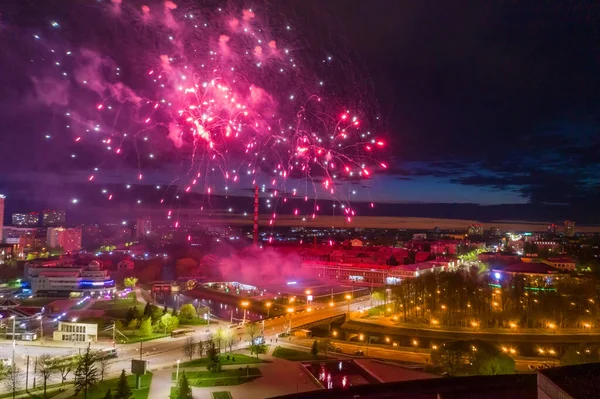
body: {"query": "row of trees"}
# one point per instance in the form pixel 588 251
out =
pixel 469 299
pixel 472 357
pixel 84 367
pixel 152 320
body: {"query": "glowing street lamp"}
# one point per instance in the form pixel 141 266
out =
pixel 268 305
pixel 348 297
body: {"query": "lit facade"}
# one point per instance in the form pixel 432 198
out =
pixel 143 227
pixel 54 278
pixel 30 219
pixel 569 228
pixel 68 239
pixel 475 229
pixel 53 217
pixel 78 332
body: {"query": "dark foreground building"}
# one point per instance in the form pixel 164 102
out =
pixel 522 386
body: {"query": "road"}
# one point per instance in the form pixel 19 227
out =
pixel 165 352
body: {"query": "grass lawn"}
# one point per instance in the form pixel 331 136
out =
pixel 239 359
pixel 131 338
pixel 196 321
pixel 221 395
pixel 51 391
pixel 117 308
pixel 221 378
pixel 99 390
pixel 294 355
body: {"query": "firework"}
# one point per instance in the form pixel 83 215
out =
pixel 237 101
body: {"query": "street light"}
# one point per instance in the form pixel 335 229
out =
pixel 290 311
pixel 268 305
pixel 14 345
pixel 177 373
pixel 41 319
pixel 348 297
pixel 245 305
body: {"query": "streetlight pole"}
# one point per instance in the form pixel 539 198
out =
pixel 177 373
pixel 41 319
pixel 14 345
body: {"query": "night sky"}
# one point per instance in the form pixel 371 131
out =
pixel 491 106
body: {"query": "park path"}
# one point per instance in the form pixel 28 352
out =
pixel 160 387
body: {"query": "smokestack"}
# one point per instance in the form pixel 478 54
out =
pixel 255 230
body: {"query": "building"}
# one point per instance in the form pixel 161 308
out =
pixel 55 278
pixel 495 232
pixel 569 382
pixel 143 227
pixel 475 229
pixel 569 228
pixel 53 218
pixel 78 332
pixel 24 239
pixel 552 229
pixel 562 263
pixel 372 274
pixel 68 239
pixel 30 219
pixel 445 247
pixel 2 197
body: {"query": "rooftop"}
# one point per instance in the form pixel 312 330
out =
pixel 580 381
pixel 530 268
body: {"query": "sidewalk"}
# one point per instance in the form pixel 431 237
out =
pixel 161 384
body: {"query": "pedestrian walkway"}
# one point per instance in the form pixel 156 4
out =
pixel 161 384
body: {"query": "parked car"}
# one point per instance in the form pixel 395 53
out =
pixel 338 349
pixel 359 353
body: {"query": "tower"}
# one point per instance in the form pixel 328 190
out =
pixel 255 228
pixel 1 216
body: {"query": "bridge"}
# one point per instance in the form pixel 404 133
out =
pixel 320 321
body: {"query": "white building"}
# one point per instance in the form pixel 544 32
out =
pixel 68 281
pixel 79 332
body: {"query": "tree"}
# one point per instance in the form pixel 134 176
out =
pixel 134 324
pixel 168 322
pixel 45 368
pixel 103 366
pixel 214 361
pixel 258 349
pixel 200 349
pixel 189 348
pixel 86 374
pixel 219 337
pixel 185 392
pixel 187 312
pixel 13 380
pixel 252 329
pixel 146 327
pixel 324 345
pixel 108 395
pixel 130 282
pixel 495 363
pixel 123 390
pixel 315 349
pixel 64 368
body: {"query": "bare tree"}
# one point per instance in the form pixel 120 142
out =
pixel 103 366
pixel 45 368
pixel 200 349
pixel 189 348
pixel 64 368
pixel 13 379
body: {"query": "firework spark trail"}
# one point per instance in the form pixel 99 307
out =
pixel 230 98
